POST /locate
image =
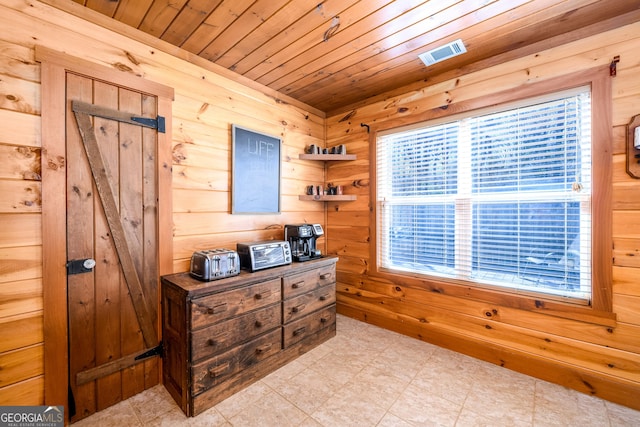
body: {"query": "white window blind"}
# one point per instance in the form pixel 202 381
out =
pixel 501 198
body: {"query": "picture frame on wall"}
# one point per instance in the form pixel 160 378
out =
pixel 256 170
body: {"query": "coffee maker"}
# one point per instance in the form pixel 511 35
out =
pixel 302 239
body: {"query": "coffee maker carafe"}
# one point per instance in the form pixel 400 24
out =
pixel 302 240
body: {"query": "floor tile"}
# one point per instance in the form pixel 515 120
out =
pixel 502 401
pixel 348 408
pixel 240 401
pixel 370 377
pixel 340 366
pixel 307 390
pixel 621 416
pixel 152 403
pixel 378 386
pixel 175 417
pixel 271 410
pixel 556 405
pixel 418 407
pixel 120 414
pixel 469 418
pixel 390 420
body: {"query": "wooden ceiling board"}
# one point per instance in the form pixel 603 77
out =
pixel 391 51
pixel 349 39
pixel 287 35
pixel 217 22
pixel 286 17
pixel 252 18
pixel 190 17
pixel 521 29
pixel 132 12
pixel 301 45
pixel 159 16
pixel 366 74
pixel 332 54
pixel 105 7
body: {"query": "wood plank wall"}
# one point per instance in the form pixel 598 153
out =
pixel 207 103
pixel 590 358
pixel 205 106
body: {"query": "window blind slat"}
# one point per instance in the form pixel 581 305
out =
pixel 492 199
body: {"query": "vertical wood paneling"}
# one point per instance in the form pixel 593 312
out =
pixel 80 243
pixel 54 254
pixel 130 155
pixel 108 296
pixel 150 197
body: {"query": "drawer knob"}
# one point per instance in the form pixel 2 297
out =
pixel 261 295
pixel 324 297
pixel 258 324
pixel 218 339
pixel 299 331
pixel 216 371
pixel 325 276
pixel 297 308
pixel 324 319
pixel 297 285
pixel 263 348
pixel 213 310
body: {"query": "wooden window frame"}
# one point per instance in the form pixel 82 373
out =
pixel 599 309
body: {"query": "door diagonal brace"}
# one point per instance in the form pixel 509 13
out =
pixel 98 169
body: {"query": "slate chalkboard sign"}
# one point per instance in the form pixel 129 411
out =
pixel 256 172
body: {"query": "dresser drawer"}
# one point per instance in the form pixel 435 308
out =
pixel 213 371
pixel 223 335
pixel 309 325
pixel 219 337
pixel 302 305
pixel 214 308
pixel 298 284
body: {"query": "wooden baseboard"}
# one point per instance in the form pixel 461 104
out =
pixel 583 380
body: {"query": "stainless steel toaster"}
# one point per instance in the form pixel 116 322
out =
pixel 214 264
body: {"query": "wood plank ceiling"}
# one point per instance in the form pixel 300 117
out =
pixel 332 54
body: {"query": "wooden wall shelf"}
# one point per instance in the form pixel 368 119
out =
pixel 328 198
pixel 327 157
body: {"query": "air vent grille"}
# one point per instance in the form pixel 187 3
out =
pixel 441 53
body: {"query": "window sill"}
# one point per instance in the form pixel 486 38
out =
pixel 549 305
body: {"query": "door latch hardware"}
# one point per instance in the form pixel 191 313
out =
pixel 79 266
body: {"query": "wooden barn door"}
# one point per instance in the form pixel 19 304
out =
pixel 93 336
pixel 112 243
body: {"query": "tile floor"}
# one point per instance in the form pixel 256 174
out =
pixel 367 376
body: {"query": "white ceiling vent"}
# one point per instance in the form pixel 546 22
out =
pixel 441 53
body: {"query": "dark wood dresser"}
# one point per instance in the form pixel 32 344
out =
pixel 223 335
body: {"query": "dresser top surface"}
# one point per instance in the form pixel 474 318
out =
pixel 184 282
